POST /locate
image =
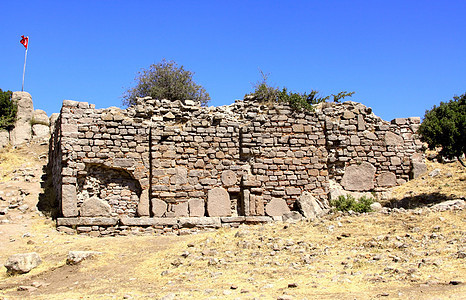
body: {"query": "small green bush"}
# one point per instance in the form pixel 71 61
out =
pixel 8 110
pixel 268 94
pixel 348 202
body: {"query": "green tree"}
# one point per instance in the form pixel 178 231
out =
pixel 166 80
pixel 8 110
pixel 445 126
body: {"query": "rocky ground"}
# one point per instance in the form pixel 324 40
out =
pixel 416 253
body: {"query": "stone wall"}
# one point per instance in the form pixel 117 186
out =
pixel 164 160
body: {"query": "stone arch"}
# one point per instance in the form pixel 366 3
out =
pixel 116 186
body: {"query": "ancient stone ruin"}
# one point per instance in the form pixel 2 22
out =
pixel 31 125
pixel 172 164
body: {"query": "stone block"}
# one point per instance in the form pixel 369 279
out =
pixel 361 123
pixel 386 179
pixel 159 207
pixel 143 204
pixel 200 222
pixel 399 121
pixel 40 117
pixel 69 205
pixel 417 169
pixel 87 221
pixel 180 177
pixel 292 191
pixel 22 263
pixel 218 203
pixel 277 207
pixel 359 177
pixel 4 138
pixel 146 221
pixel 196 207
pixel 393 139
pixel 229 178
pixel 94 207
pixel 257 219
pixel 233 219
pixel 180 209
pixel 75 257
pixel 298 128
pixel 348 115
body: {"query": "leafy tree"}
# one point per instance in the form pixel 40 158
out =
pixel 445 126
pixel 166 80
pixel 266 93
pixel 8 110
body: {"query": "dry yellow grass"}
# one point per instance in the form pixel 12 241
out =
pixel 410 255
pixel 451 182
pixel 337 257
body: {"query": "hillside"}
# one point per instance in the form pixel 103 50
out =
pixel 418 253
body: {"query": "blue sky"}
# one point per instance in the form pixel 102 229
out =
pixel 400 57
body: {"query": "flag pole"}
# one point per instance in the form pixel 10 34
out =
pixel 24 68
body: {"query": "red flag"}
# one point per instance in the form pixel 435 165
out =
pixel 24 41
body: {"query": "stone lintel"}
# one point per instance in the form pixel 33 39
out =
pixel 87 221
pixel 258 219
pixel 233 219
pixel 191 222
pixel 146 221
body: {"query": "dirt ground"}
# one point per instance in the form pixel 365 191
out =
pixel 405 254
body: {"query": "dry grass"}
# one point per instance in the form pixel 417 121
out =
pixel 337 257
pixel 410 255
pixel 451 182
pixel 22 157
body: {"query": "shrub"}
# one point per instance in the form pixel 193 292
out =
pixel 266 93
pixel 348 202
pixel 8 110
pixel 445 126
pixel 166 80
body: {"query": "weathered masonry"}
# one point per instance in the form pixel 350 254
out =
pixel 172 163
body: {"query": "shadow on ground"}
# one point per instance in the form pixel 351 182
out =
pixel 417 201
pixel 47 203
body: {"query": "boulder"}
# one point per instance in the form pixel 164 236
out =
pixel 94 207
pixel 359 177
pixel 4 138
pixel 75 257
pixel 457 204
pixel 277 207
pixel 376 206
pixel 40 117
pixel 292 217
pixel 22 132
pixel 218 203
pixel 22 263
pixel 40 131
pixel 309 206
pixel 418 166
